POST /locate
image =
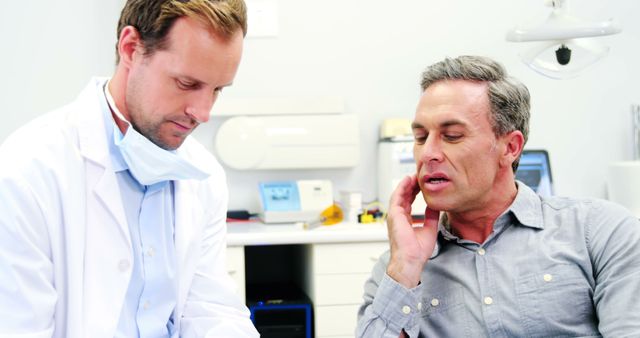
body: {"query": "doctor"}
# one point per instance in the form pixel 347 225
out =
pixel 112 220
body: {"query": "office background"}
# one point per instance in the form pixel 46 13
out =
pixel 371 54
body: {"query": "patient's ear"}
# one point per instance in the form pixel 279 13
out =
pixel 514 142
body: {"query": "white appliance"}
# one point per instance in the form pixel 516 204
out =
pixel 289 141
pixel 294 201
pixel 395 161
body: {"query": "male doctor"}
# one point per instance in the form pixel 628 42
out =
pixel 112 218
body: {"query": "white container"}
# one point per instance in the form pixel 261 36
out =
pixel 351 202
pixel 395 161
pixel 623 184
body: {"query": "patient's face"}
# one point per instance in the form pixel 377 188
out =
pixel 455 147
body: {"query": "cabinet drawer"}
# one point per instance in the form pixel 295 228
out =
pixel 347 257
pixel 235 268
pixel 336 320
pixel 339 289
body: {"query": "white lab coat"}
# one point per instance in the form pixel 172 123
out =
pixel 65 249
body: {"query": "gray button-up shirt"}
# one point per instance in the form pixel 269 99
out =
pixel 552 267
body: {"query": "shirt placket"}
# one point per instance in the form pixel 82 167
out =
pixel 489 297
pixel 152 223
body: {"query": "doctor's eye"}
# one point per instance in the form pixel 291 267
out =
pixel 187 85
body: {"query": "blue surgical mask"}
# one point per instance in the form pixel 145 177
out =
pixel 147 162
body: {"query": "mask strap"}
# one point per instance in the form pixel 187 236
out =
pixel 112 103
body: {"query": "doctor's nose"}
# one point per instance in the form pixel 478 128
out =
pixel 198 115
pixel 199 108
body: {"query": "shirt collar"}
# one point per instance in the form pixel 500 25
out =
pixel 526 208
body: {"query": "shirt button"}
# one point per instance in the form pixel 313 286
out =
pixel 406 310
pixel 146 305
pixel 435 302
pixel 547 277
pixel 481 252
pixel 488 300
pixel 419 306
pixel 123 265
pixel 151 252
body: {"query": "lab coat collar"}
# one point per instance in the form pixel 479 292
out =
pixel 91 128
pixel 92 142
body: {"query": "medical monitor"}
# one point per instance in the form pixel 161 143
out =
pixel 535 171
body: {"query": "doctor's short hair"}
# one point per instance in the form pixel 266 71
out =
pixel 509 99
pixel 154 18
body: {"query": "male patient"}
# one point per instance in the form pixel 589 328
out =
pixel 493 259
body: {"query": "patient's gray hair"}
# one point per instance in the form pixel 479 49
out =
pixel 508 97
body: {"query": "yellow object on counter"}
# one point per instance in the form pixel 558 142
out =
pixel 329 216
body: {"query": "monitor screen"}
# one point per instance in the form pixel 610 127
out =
pixel 535 171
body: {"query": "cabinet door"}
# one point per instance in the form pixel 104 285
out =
pixel 347 257
pixel 235 268
pixel 339 271
pixel 340 320
pixel 339 289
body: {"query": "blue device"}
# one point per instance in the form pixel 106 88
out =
pixel 535 171
pixel 280 196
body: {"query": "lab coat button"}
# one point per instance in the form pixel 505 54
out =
pixel 123 266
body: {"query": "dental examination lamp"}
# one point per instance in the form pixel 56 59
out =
pixel 565 44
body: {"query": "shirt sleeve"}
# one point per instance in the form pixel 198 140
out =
pixel 613 238
pixel 388 307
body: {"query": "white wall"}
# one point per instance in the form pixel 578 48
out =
pixel 371 53
pixel 49 51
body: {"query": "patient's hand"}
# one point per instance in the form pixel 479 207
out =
pixel 411 246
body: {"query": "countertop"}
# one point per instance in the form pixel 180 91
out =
pixel 257 233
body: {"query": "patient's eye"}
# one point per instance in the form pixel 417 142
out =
pixel 452 137
pixel 420 136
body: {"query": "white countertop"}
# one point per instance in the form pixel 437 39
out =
pixel 256 233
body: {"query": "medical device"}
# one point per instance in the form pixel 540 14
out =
pixel 395 161
pixel 291 133
pixel 535 171
pixel 294 201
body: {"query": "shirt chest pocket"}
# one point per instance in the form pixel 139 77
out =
pixel 556 302
pixel 445 306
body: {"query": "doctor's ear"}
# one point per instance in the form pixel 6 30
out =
pixel 129 44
